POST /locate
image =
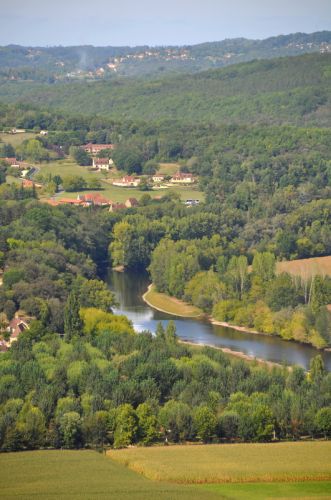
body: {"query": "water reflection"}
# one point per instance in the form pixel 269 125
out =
pixel 129 288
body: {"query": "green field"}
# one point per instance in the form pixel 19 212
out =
pixel 170 305
pixel 67 166
pixel 81 474
pixel 121 194
pixel 261 491
pixel 231 463
pixel 16 139
pixel 91 475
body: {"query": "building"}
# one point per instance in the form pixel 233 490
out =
pixel 16 326
pixel 12 162
pixel 18 130
pixel 127 181
pixel 94 199
pixel 102 163
pixel 131 202
pixel 30 184
pixel 94 149
pixel 182 178
pixel 191 203
pixel 115 206
pixel 43 132
pixel 157 178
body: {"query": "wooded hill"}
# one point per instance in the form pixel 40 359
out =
pixel 44 63
pixel 292 90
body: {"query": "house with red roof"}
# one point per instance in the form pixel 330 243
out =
pixel 94 149
pixel 95 199
pixel 102 163
pixel 30 184
pixel 127 181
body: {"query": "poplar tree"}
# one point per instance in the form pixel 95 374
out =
pixel 72 322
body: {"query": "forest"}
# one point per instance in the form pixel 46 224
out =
pixel 289 90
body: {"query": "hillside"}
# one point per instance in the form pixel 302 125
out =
pixel 292 90
pixel 53 63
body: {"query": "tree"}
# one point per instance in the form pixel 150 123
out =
pixel 126 426
pixel 323 421
pixel 96 428
pixel 317 369
pixel 176 420
pixel 281 292
pixel 73 325
pixel 74 183
pixel 81 157
pixel 147 424
pixel 264 266
pixel 34 151
pixel 204 421
pixel 70 429
pixel 237 272
pixel 31 425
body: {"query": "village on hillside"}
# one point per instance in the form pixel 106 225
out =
pixel 107 183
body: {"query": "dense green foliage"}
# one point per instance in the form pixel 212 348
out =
pixel 294 90
pixel 111 386
pixel 48 253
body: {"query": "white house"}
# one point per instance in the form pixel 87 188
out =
pixel 182 178
pixel 102 163
pixel 127 181
pixel 158 178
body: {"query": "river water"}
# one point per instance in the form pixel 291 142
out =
pixel 129 288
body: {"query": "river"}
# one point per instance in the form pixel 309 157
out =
pixel 129 288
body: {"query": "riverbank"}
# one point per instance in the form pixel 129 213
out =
pixel 170 305
pixel 176 307
pixel 236 354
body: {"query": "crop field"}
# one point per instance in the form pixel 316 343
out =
pixel 306 267
pixel 82 474
pixel 170 305
pixel 232 463
pixel 16 139
pixel 261 491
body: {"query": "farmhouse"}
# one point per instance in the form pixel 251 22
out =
pixel 102 163
pixel 12 162
pixel 67 201
pixel 182 178
pixel 158 178
pixel 30 184
pixel 95 199
pixel 16 326
pixel 94 149
pixel 127 181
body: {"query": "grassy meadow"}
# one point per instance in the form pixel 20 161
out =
pixel 16 139
pixel 231 463
pixel 81 474
pixel 65 167
pixel 170 305
pixel 121 194
pixel 261 491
